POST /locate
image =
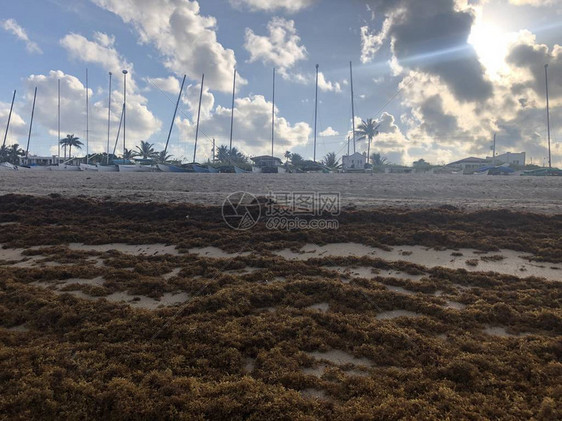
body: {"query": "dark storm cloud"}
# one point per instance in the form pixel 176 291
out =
pixel 431 36
pixel 530 56
pixel 435 121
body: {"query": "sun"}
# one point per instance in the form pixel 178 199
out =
pixel 491 45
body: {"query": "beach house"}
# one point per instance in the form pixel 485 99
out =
pixel 509 158
pixel 267 164
pixel 354 162
pixel 468 165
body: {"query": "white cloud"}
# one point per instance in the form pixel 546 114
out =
pixel 141 124
pixel 97 51
pixel 18 127
pixel 191 98
pixel 104 40
pixel 186 39
pixel 290 6
pixel 372 42
pixel 431 37
pixel 10 25
pixel 281 47
pixel 252 129
pixel 307 79
pixel 168 84
pixel 536 3
pixel 526 57
pixel 327 86
pixel 328 132
pixel 442 119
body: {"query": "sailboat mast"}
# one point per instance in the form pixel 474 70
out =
pixel 494 151
pixel 273 114
pixel 198 118
pixel 547 115
pixel 9 117
pixel 108 118
pixel 58 120
pixel 315 113
pixel 119 129
pixel 30 125
pixel 352 104
pixel 174 117
pixel 124 111
pixel 232 111
pixel 87 119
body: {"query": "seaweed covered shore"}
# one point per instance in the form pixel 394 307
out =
pixel 94 331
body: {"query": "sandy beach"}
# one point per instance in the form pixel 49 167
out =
pixel 536 194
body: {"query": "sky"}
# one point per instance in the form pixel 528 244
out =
pixel 440 76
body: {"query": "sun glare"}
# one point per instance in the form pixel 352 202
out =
pixel 490 43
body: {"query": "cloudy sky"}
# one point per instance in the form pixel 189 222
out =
pixel 442 76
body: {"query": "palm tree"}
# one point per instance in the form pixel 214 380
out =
pixel 64 143
pixel 230 156
pixel 129 154
pixel 146 150
pixel 3 153
pixel 14 153
pixel 237 156
pixel 296 159
pixel 287 156
pixel 331 161
pixel 163 157
pixel 377 160
pixel 367 130
pixel 70 140
pixel 223 153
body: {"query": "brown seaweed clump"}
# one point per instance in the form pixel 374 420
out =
pixel 262 338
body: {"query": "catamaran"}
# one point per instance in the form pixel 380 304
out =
pixel 138 165
pixel 171 168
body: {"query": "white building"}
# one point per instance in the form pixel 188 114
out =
pixel 353 162
pixel 43 161
pixel 508 158
pixel 267 164
pixel 468 165
pixel 33 160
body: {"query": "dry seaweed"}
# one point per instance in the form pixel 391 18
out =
pixel 93 358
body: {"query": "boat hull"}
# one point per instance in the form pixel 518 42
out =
pixel 8 167
pixel 170 168
pixel 199 169
pixel 135 168
pixel 108 168
pixel 65 167
pixel 88 167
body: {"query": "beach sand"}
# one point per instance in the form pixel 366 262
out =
pixel 534 194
